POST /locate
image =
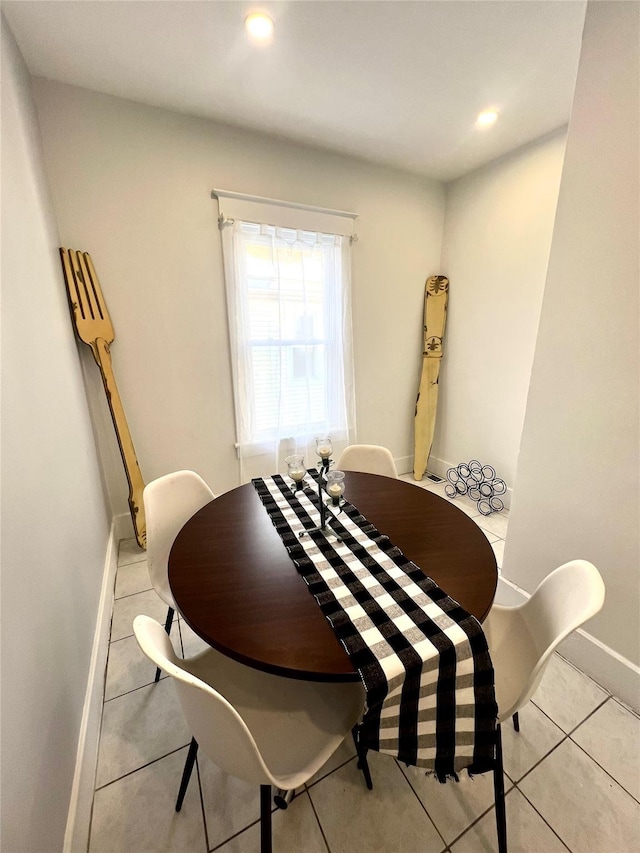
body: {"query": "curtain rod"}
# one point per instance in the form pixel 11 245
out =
pixel 279 203
pixel 224 221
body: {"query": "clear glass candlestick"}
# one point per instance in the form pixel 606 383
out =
pixel 296 469
pixel 335 486
pixel 324 448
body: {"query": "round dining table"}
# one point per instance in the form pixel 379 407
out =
pixel 236 586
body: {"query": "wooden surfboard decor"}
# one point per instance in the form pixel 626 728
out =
pixel 436 292
pixel 94 328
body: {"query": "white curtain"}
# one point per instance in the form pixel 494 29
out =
pixel 289 306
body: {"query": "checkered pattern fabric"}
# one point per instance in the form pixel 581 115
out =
pixel 423 660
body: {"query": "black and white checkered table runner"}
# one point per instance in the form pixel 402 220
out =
pixel 424 661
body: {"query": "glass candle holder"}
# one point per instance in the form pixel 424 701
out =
pixel 335 486
pixel 324 448
pixel 296 469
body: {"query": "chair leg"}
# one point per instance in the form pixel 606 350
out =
pixel 167 628
pixel 498 786
pixel 363 764
pixel 282 798
pixel 186 773
pixel 516 721
pixel 265 818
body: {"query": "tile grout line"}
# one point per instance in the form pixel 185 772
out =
pixel 135 689
pixel 589 715
pixel 131 594
pixel 543 819
pixel 132 562
pixel 604 701
pixel 119 640
pixel 516 785
pixel 485 812
pixel 308 793
pixel 330 773
pixel 604 770
pixel 137 592
pixel 566 736
pixel 235 835
pixel 244 829
pixel 127 636
pixel 202 809
pixel 142 767
pixel 544 757
pixel 424 808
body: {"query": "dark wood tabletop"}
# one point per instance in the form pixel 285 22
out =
pixel 238 589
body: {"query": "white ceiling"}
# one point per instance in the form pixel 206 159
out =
pixel 399 83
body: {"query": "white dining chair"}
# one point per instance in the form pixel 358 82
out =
pixel 369 459
pixel 521 641
pixel 262 728
pixel 169 502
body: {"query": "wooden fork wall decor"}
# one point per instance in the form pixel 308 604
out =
pixel 94 328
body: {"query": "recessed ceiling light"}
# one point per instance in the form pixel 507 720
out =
pixel 486 118
pixel 259 26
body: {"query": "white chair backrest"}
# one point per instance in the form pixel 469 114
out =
pixel 169 502
pixel 369 459
pixel 563 601
pixel 216 725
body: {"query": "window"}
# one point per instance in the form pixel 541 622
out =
pixel 288 298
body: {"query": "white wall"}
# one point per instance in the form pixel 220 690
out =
pixel 497 234
pixel 131 185
pixel 577 480
pixel 54 520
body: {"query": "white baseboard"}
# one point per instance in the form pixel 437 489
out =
pixel 609 669
pixel 124 526
pixel 619 676
pixel 438 467
pixel 76 838
pixel 404 464
pixel 509 594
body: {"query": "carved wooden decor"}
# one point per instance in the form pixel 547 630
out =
pixel 436 293
pixel 93 327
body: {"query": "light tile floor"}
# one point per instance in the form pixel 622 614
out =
pixel 573 771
